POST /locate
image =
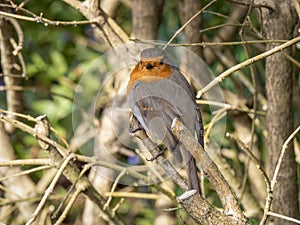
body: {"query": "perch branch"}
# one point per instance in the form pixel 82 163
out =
pixel 153 149
pixel 227 196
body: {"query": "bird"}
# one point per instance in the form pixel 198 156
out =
pixel 158 93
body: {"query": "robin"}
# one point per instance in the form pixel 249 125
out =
pixel 158 93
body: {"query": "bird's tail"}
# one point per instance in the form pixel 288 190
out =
pixel 193 181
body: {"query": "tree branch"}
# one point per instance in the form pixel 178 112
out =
pixel 227 196
pixel 241 65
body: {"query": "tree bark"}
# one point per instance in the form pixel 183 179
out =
pixel 192 31
pixel 279 24
pixel 10 67
pixel 146 18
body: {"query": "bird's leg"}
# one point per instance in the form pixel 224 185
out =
pixel 157 154
pixel 134 125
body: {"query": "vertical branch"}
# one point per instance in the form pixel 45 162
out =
pixel 10 68
pixel 192 32
pixel 225 193
pixel 146 18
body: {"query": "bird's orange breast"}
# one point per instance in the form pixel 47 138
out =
pixel 141 73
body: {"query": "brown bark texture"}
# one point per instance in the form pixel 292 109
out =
pixel 10 67
pixel 192 31
pixel 279 24
pixel 146 18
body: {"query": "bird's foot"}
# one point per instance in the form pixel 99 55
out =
pixel 134 125
pixel 156 155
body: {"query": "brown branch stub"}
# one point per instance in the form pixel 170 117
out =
pixel 42 127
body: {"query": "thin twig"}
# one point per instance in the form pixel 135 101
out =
pixel 5 202
pixel 210 44
pixel 32 119
pixel 223 25
pixel 132 195
pixel 26 172
pixel 230 107
pixel 284 147
pixel 68 207
pixel 241 65
pixel 245 148
pixel 218 116
pixel 20 34
pixel 247 164
pixel 294 61
pixel 188 22
pixel 46 22
pixel 25 162
pixel 284 217
pixel 114 186
pixel 269 197
pixel 49 189
pixel 73 186
pixel 117 205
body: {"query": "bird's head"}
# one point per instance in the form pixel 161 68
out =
pixel 152 67
pixel 152 58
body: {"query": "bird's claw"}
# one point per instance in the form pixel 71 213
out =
pixel 134 125
pixel 156 155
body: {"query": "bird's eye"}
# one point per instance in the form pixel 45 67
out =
pixel 161 62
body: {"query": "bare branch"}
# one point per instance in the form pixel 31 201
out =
pixel 210 44
pixel 241 65
pixel 201 211
pixel 187 23
pixel 45 21
pixel 227 196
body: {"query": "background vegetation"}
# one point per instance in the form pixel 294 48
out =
pixel 59 40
